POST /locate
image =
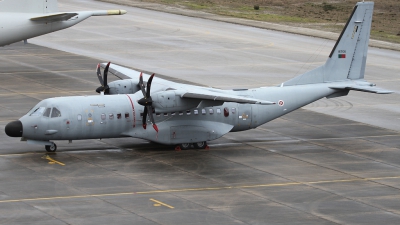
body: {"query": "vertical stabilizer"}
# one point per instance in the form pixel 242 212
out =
pixel 29 6
pixel 348 57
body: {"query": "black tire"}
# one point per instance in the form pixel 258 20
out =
pixel 200 145
pixel 51 148
pixel 184 146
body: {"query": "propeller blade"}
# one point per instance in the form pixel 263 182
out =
pixel 106 74
pixel 144 121
pixel 141 84
pixel 150 111
pixel 99 75
pixel 155 127
pixel 149 85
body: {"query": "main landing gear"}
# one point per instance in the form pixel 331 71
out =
pixel 51 148
pixel 196 145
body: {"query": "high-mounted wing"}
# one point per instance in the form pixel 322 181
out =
pixel 187 91
pixel 208 95
pixel 54 17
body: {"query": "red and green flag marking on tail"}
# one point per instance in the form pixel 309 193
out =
pixel 342 56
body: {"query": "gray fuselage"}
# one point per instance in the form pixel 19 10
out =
pixel 113 116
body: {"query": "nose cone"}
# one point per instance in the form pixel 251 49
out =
pixel 14 129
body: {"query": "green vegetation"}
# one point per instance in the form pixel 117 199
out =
pixel 317 14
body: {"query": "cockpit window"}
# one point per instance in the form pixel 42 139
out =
pixel 47 112
pixel 38 112
pixel 55 113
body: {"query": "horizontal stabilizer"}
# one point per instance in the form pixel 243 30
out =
pixel 370 89
pixel 225 98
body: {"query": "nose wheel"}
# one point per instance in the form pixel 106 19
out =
pixel 51 148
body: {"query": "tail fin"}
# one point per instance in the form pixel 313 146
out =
pixel 348 57
pixel 29 6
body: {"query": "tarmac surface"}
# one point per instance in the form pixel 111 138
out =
pixel 223 55
pixel 303 168
pixel 333 162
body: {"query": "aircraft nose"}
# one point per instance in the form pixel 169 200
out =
pixel 14 129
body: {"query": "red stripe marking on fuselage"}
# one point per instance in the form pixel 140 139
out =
pixel 133 109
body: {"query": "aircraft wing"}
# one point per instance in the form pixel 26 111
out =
pixel 216 96
pixel 186 90
pixel 64 16
pixel 55 17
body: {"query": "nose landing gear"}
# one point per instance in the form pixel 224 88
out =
pixel 51 148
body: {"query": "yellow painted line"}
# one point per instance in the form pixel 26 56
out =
pixel 183 190
pixel 65 197
pixel 161 203
pixel 196 189
pixel 52 161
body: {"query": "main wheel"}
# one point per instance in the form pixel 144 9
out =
pixel 51 148
pixel 200 145
pixel 184 146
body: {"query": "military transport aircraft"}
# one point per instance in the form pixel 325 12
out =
pixel 23 19
pixel 187 115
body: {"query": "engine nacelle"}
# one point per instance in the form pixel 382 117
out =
pixel 171 101
pixel 128 86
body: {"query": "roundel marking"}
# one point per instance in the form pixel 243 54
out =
pixel 281 102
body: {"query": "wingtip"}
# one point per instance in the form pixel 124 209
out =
pixel 109 12
pixel 116 12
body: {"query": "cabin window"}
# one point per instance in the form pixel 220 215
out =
pixel 233 110
pixel 47 112
pixel 203 111
pixel 181 113
pixel 211 111
pixel 218 111
pixel 157 114
pixel 118 115
pixel 188 112
pixel 226 112
pixel 38 112
pixel 165 114
pixel 55 113
pixel 103 116
pixel 79 117
pixel 196 112
pixel 126 115
pixel 111 116
pixel 173 114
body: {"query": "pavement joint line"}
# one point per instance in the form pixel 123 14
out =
pixel 194 189
pixel 48 92
pixel 39 72
pixel 161 203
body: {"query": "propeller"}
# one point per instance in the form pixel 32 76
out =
pixel 147 102
pixel 104 87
